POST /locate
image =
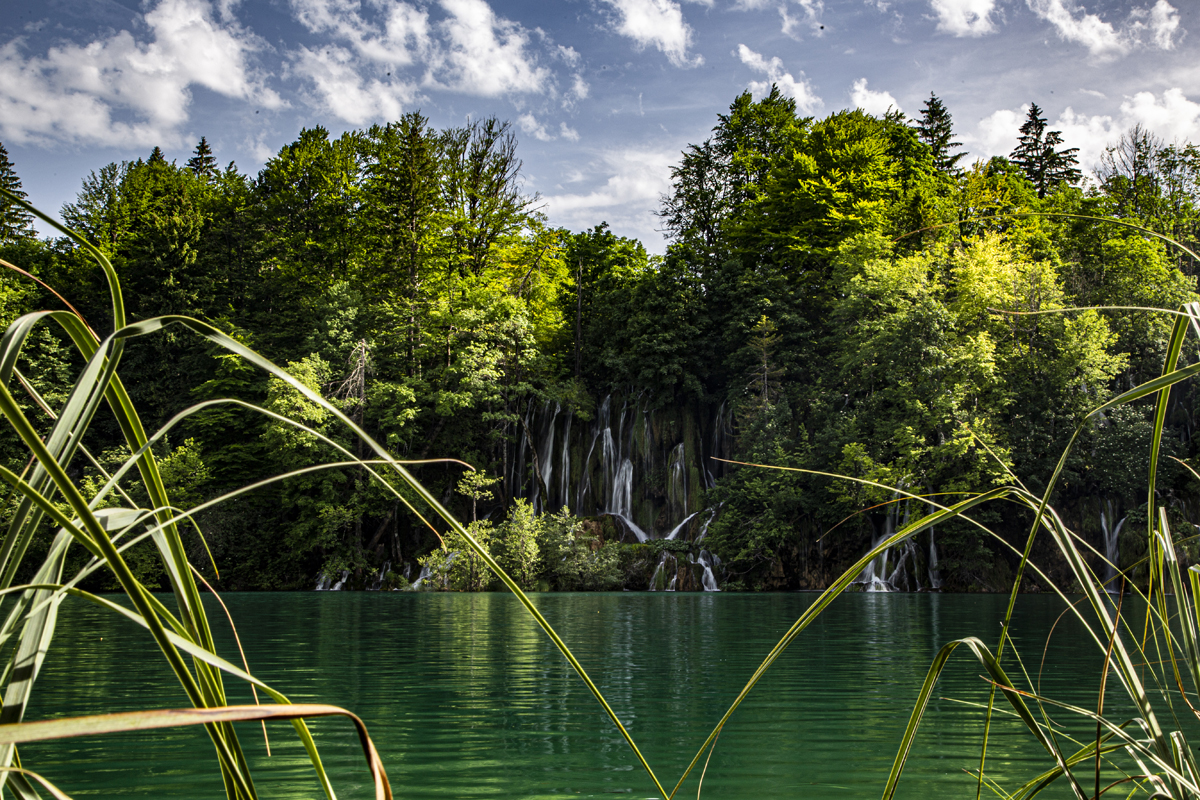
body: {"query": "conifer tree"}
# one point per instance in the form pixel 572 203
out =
pixel 202 163
pixel 1038 157
pixel 156 156
pixel 935 128
pixel 15 222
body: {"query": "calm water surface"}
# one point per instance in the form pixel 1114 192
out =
pixel 466 698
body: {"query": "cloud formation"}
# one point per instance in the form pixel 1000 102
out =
pixel 402 37
pixel 965 17
pixel 339 87
pixel 877 103
pixel 125 90
pixel 1172 116
pixel 657 23
pixel 799 90
pixel 483 54
pixel 1074 24
pixel 469 51
pixel 636 181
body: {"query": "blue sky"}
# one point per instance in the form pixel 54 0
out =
pixel 603 93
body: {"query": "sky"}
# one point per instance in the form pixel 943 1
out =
pixel 603 94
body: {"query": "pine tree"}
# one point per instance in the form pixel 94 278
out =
pixel 156 156
pixel 15 221
pixel 935 129
pixel 1038 157
pixel 202 164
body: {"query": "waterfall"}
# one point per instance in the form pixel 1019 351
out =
pixel 322 583
pixel 677 494
pixel 675 531
pixel 546 457
pixel 1111 534
pixel 337 587
pixel 564 470
pixel 639 463
pixel 377 584
pixel 708 561
pixel 877 577
pixel 415 585
pixel 704 528
pixel 621 505
pixel 658 581
pixel 698 572
pixel 935 575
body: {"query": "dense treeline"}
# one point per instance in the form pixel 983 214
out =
pixel 842 286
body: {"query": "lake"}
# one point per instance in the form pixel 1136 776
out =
pixel 466 698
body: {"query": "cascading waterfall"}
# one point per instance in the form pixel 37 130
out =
pixel 935 575
pixel 681 526
pixel 697 573
pixel 377 584
pixel 889 571
pixel 1111 539
pixel 709 561
pixel 415 585
pixel 677 490
pixel 645 467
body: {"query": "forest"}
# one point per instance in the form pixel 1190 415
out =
pixel 840 295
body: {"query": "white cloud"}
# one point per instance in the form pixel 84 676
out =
pixel 799 90
pixel 996 134
pixel 402 38
pixel 567 132
pixel 579 88
pixel 529 124
pixel 1102 38
pixel 125 92
pixel 965 17
pixel 1174 117
pixel 484 54
pixel 634 182
pixel 342 90
pixel 471 50
pixel 1098 36
pixel 812 18
pixel 1171 116
pixel 569 55
pixel 658 23
pixel 872 102
pixel 1162 24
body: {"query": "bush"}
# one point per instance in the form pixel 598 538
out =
pixel 574 560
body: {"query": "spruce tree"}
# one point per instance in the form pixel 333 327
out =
pixel 1038 157
pixel 935 129
pixel 15 221
pixel 202 164
pixel 156 156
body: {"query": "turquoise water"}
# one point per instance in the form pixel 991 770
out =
pixel 466 698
